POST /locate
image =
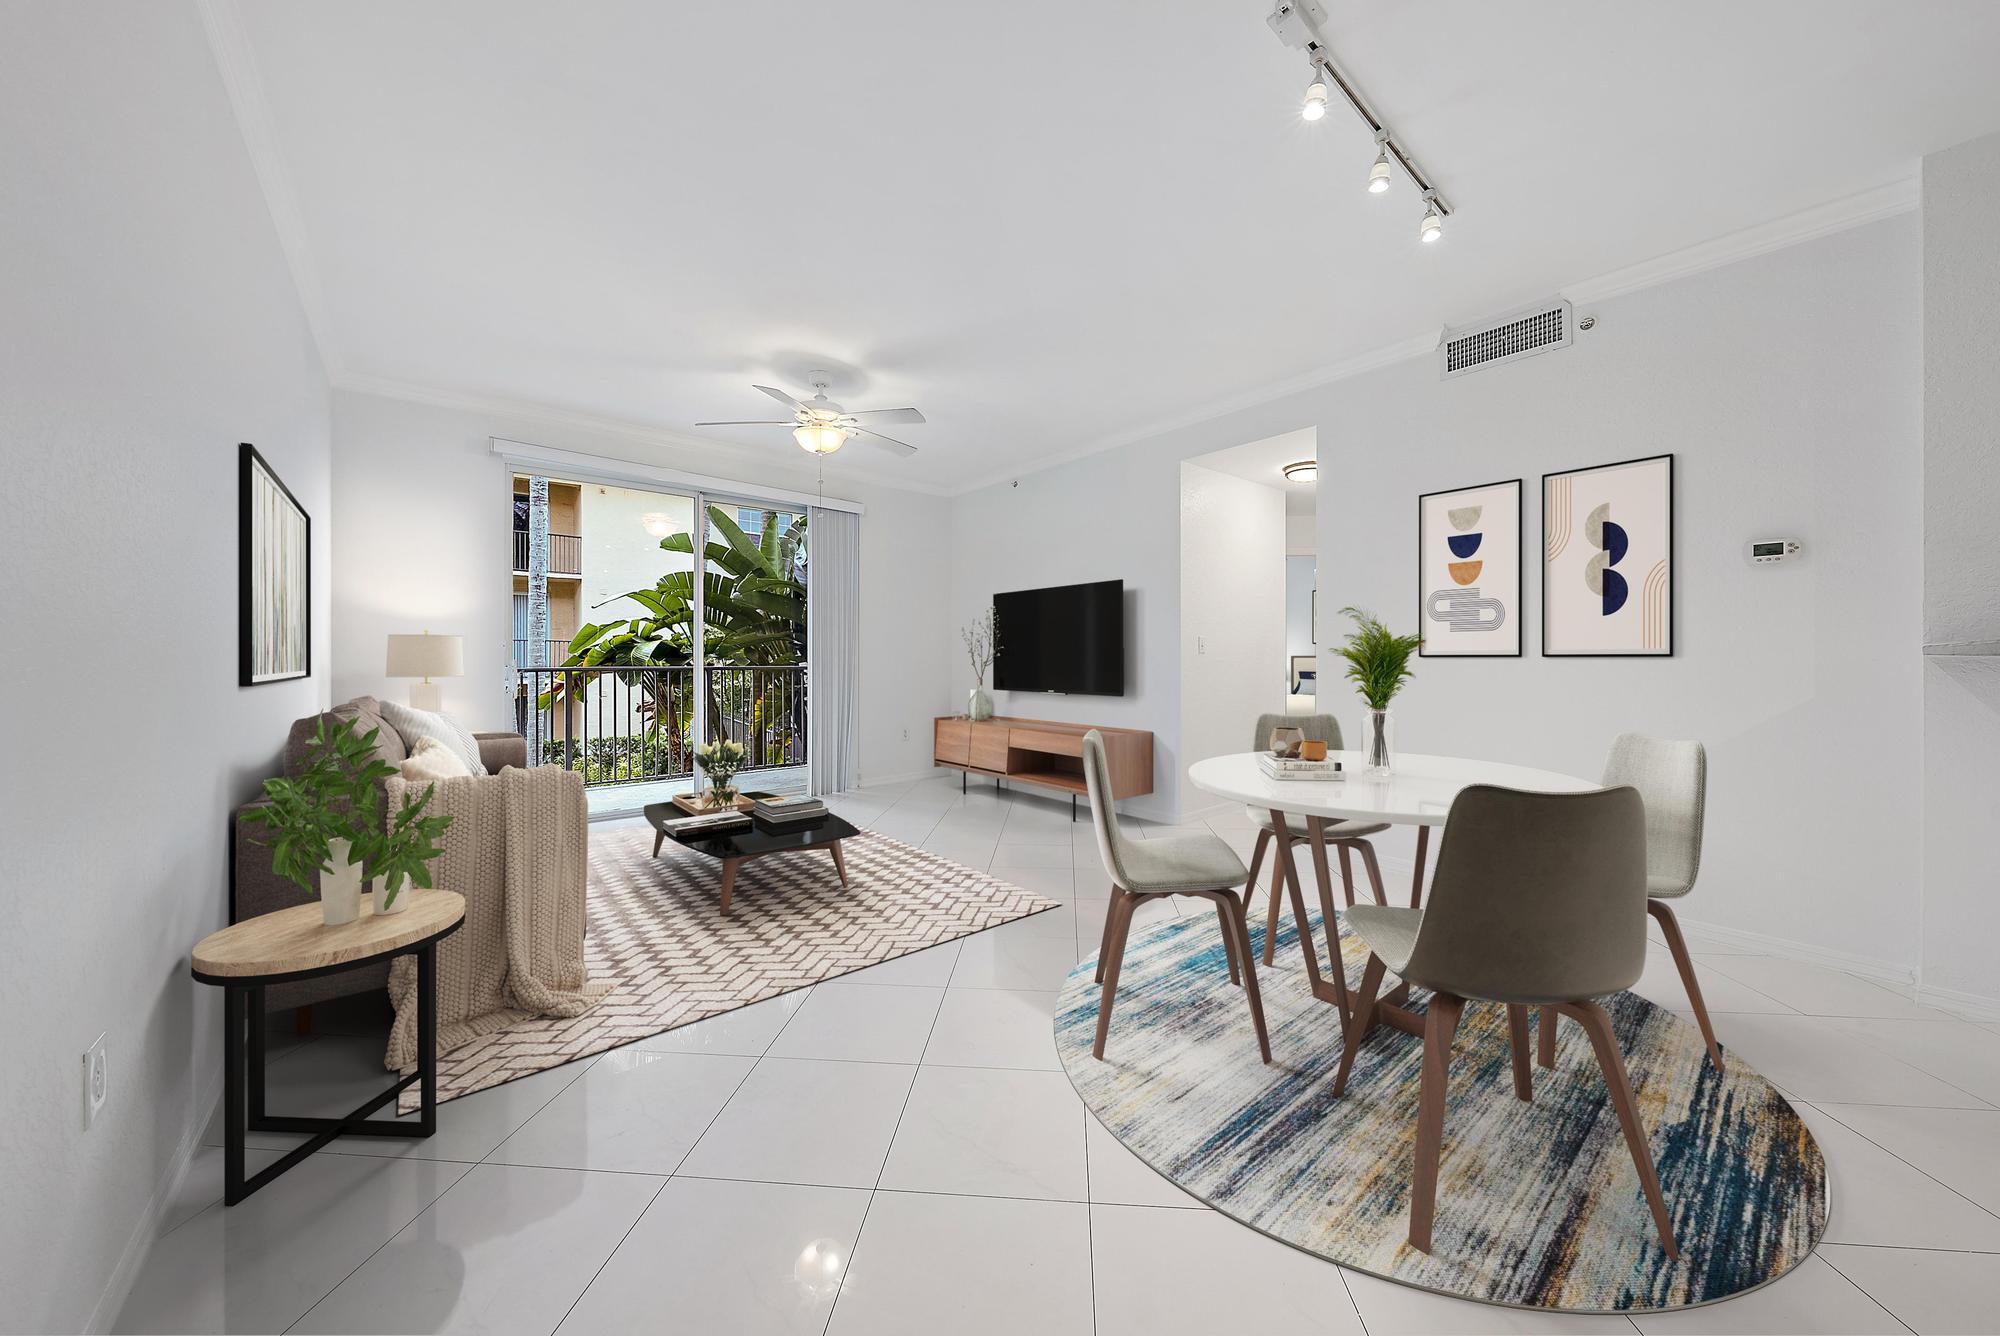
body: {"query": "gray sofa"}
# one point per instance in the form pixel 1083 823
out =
pixel 255 889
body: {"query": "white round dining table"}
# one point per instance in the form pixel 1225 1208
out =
pixel 1418 792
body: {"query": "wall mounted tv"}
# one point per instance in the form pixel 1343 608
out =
pixel 1068 639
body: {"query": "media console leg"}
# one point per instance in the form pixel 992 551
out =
pixel 1072 808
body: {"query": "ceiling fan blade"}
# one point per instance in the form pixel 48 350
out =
pixel 890 414
pixel 780 396
pixel 889 442
pixel 773 422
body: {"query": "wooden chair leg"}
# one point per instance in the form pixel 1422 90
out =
pixel 1346 871
pixel 1257 861
pixel 1440 1024
pixel 1104 941
pixel 1120 915
pixel 1517 1040
pixel 1224 915
pixel 1238 919
pixel 1545 1042
pixel 1277 899
pixel 1596 1023
pixel 1364 1017
pixel 1375 869
pixel 1677 947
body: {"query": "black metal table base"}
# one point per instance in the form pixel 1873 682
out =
pixel 243 1082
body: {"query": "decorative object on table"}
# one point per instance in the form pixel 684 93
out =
pixel 247 957
pixel 1284 740
pixel 982 642
pixel 672 960
pixel 704 804
pixel 720 760
pixel 274 576
pixel 783 811
pixel 1378 663
pixel 327 826
pixel 1469 571
pixel 426 656
pixel 1608 559
pixel 1267 1147
pixel 1314 749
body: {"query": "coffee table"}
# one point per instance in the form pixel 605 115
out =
pixel 757 840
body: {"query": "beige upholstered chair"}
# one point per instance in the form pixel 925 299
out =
pixel 1539 900
pixel 1672 778
pixel 1197 865
pixel 1347 837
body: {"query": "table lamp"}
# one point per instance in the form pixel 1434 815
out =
pixel 426 656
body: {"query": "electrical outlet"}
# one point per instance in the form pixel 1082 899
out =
pixel 96 1081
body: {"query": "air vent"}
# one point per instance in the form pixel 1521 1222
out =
pixel 1507 339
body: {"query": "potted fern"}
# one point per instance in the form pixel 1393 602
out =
pixel 1378 663
pixel 327 828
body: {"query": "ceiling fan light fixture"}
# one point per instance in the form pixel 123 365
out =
pixel 1304 470
pixel 819 438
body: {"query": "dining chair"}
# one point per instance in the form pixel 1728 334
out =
pixel 1347 837
pixel 1203 866
pixel 1538 900
pixel 1672 779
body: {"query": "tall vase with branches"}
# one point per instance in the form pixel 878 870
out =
pixel 1378 663
pixel 982 642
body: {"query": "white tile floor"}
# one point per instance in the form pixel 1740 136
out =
pixel 899 1151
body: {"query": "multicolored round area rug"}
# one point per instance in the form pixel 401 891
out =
pixel 1538 1203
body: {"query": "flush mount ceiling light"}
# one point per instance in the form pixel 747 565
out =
pixel 1314 106
pixel 1302 24
pixel 1305 470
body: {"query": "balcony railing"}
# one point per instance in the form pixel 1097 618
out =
pixel 565 553
pixel 631 725
pixel 554 652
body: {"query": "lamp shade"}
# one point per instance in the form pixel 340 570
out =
pixel 426 656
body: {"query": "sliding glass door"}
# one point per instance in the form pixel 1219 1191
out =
pixel 646 622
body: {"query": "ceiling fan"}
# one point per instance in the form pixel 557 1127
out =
pixel 822 426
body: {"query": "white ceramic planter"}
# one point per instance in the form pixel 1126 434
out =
pixel 382 893
pixel 339 886
pixel 978 704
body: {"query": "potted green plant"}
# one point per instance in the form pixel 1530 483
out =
pixel 326 828
pixel 1378 663
pixel 720 760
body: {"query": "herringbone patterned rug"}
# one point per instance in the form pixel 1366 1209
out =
pixel 673 959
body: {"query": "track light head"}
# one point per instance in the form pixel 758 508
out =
pixel 1378 175
pixel 1314 105
pixel 1432 227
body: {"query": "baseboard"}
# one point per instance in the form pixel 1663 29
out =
pixel 1976 1006
pixel 118 1287
pixel 903 777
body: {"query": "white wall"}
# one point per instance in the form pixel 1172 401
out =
pixel 424 542
pixel 1232 612
pixel 1300 572
pixel 150 325
pixel 1961 918
pixel 1788 386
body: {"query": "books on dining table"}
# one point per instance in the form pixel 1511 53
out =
pixel 1291 767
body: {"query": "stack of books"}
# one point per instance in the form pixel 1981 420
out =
pixel 723 822
pixel 788 811
pixel 1284 767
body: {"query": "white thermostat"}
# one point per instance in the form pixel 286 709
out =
pixel 1762 550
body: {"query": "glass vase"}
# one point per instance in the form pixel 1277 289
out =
pixel 1378 742
pixel 979 705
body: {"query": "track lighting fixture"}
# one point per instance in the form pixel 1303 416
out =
pixel 1378 175
pixel 1432 227
pixel 1314 106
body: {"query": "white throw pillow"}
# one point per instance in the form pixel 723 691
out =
pixel 432 759
pixel 414 725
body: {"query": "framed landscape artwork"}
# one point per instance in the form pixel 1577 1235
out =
pixel 275 586
pixel 1469 571
pixel 1608 559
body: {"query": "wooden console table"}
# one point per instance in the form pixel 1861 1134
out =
pixel 1042 751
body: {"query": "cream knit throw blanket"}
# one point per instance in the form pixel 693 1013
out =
pixel 517 851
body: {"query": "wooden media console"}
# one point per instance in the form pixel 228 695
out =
pixel 1042 751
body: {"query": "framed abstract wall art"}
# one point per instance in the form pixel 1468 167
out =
pixel 1608 559
pixel 275 576
pixel 1469 571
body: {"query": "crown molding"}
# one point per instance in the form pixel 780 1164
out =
pixel 237 62
pixel 752 459
pixel 1857 210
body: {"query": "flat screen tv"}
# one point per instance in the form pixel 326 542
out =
pixel 1068 639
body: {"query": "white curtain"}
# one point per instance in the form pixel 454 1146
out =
pixel 833 646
